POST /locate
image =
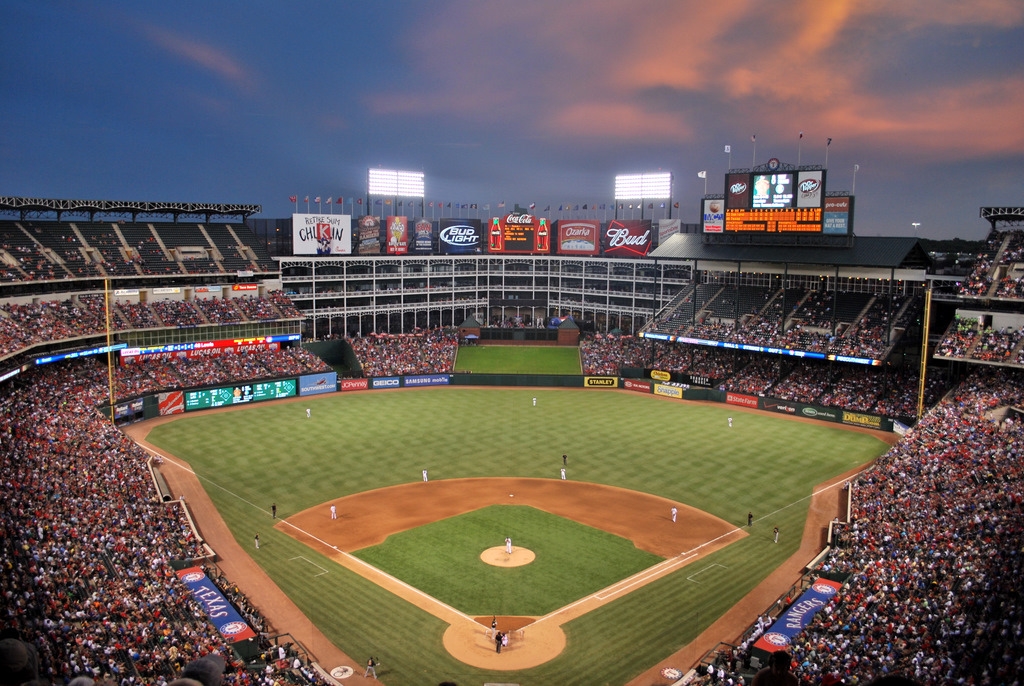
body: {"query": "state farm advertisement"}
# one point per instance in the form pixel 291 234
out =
pixel 627 238
pixel 579 236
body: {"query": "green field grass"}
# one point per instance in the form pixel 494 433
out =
pixel 361 441
pixel 517 359
pixel 573 560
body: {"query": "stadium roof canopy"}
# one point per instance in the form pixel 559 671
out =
pixel 42 208
pixel 878 252
pixel 1009 216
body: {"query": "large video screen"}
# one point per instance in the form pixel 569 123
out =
pixel 773 198
pixel 772 190
pixel 519 232
pixel 242 393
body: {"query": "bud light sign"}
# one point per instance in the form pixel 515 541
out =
pixel 627 238
pixel 459 236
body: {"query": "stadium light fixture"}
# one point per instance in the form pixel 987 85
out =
pixel 401 184
pixel 650 186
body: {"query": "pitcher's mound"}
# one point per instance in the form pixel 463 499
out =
pixel 499 558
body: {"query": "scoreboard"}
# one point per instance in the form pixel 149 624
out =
pixel 777 198
pixel 242 393
pixel 785 220
pixel 519 232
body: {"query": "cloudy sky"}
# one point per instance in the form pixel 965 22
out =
pixel 517 101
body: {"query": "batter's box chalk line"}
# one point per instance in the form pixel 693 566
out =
pixel 693 577
pixel 300 557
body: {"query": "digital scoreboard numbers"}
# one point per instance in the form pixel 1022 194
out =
pixel 788 220
pixel 519 232
pixel 242 393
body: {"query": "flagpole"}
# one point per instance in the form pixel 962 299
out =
pixel 753 160
pixel 853 190
pixel 728 151
pixel 799 147
pixel 828 142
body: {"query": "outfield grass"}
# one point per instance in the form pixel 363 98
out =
pixel 518 359
pixel 573 560
pixel 361 441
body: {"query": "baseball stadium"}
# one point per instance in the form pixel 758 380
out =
pixel 516 449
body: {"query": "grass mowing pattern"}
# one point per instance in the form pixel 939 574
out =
pixel 517 359
pixel 443 560
pixel 360 441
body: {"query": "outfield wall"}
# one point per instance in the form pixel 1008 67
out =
pixel 177 402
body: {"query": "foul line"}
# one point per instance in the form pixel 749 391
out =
pixel 301 557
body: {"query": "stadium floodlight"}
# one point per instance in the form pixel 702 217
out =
pixel 653 186
pixel 402 184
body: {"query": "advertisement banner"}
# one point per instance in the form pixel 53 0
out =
pixel 600 382
pixel 368 235
pixel 793 409
pixel 869 421
pixel 460 236
pixel 810 188
pixel 837 219
pixel 714 216
pixel 398 236
pixel 427 380
pixel 321 234
pixel 666 228
pixel 220 612
pixel 355 384
pixel 737 191
pixel 627 238
pixel 634 385
pixel 224 344
pixel 171 403
pixel 740 399
pixel 386 382
pixel 793 621
pixel 579 236
pixel 423 236
pixel 668 391
pixel 315 384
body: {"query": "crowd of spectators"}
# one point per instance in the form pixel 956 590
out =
pixel 424 352
pixel 166 371
pixel 26 324
pixel 889 391
pixel 810 326
pixel 86 542
pixel 934 550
